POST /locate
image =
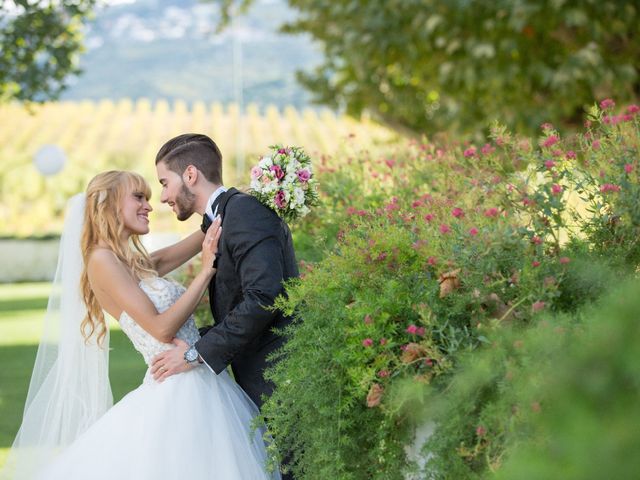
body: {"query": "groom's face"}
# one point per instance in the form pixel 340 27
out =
pixel 175 193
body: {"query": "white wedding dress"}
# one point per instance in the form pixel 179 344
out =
pixel 195 425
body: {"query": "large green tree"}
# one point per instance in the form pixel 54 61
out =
pixel 429 65
pixel 39 43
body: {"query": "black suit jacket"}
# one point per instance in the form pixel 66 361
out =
pixel 256 257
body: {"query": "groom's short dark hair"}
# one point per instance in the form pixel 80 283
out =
pixel 192 149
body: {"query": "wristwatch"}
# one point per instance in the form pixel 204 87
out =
pixel 191 355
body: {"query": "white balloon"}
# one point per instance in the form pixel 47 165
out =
pixel 49 159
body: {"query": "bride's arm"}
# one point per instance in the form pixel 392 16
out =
pixel 111 279
pixel 169 258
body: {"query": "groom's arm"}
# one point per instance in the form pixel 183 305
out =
pixel 252 233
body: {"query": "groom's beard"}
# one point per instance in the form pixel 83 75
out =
pixel 185 203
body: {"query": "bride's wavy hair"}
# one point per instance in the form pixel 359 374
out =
pixel 102 222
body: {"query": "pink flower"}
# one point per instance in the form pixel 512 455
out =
pixel 383 373
pixel 607 103
pixel 444 229
pixel 596 144
pixel 421 331
pixel 304 175
pixel 368 320
pixel 470 152
pixel 535 264
pixel 536 240
pixel 280 199
pixel 432 261
pixel 633 109
pixel 428 217
pixel 282 151
pixel 383 341
pixel 390 162
pixel 473 231
pixel 546 126
pixel 527 202
pixel 487 149
pixel 457 212
pixel 412 329
pixel 481 431
pixel 491 212
pixel 571 154
pixel 416 204
pixel 537 306
pixel 550 140
pixel 609 187
pixel 256 172
pixel 628 168
pixel 277 171
pixel 549 164
pixel 367 342
pixel 564 260
pixel 556 189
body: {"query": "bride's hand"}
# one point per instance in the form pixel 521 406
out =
pixel 210 245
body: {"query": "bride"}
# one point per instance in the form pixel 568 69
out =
pixel 195 425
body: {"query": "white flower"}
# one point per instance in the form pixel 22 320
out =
pixel 298 196
pixel 265 163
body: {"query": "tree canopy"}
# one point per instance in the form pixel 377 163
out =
pixel 39 43
pixel 428 65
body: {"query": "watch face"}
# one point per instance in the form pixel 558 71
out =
pixel 191 354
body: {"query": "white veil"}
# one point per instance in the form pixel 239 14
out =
pixel 69 387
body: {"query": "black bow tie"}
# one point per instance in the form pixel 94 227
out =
pixel 206 223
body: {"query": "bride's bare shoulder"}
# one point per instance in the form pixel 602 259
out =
pixel 103 263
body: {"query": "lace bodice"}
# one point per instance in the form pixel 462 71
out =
pixel 163 293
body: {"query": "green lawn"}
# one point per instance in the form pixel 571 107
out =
pixel 22 308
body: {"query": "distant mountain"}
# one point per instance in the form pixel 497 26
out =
pixel 169 49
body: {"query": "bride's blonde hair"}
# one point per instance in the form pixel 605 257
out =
pixel 103 223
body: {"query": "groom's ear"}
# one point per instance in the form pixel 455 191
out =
pixel 190 175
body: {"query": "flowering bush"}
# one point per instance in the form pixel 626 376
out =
pixel 437 248
pixel 284 182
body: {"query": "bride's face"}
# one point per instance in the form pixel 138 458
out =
pixel 135 213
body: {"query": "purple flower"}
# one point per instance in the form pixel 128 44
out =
pixel 280 199
pixel 304 175
pixel 607 103
pixel 277 171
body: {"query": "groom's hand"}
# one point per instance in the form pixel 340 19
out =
pixel 171 362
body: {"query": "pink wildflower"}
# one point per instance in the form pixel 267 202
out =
pixel 546 126
pixel 428 217
pixel 473 231
pixel 412 329
pixel 628 168
pixel 383 341
pixel 491 212
pixel 444 229
pixel 416 204
pixel 535 264
pixel 481 431
pixel 609 187
pixel 633 109
pixel 549 164
pixel 550 140
pixel 556 189
pixel 470 152
pixel 607 103
pixel 596 144
pixel 564 260
pixel 432 260
pixel 571 154
pixel 383 373
pixel 536 240
pixel 390 162
pixel 368 320
pixel 457 212
pixel 487 149
pixel 367 342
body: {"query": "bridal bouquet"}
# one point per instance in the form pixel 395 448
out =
pixel 284 182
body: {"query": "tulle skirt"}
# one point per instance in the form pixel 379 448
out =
pixel 195 425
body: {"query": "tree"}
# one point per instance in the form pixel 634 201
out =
pixel 39 43
pixel 430 65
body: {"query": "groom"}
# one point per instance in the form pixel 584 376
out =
pixel 255 256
